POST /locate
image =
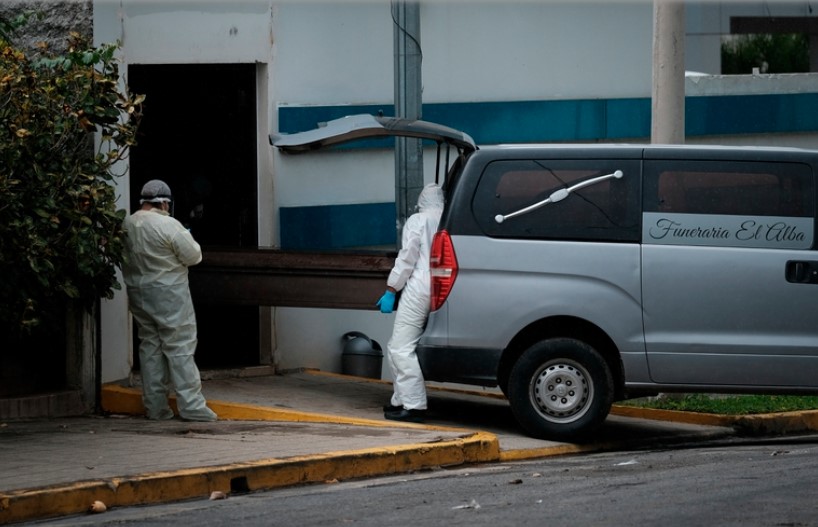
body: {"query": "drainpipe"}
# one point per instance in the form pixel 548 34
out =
pixel 408 102
pixel 668 94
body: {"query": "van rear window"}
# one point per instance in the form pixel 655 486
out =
pixel 608 210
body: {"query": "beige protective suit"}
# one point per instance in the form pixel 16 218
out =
pixel 159 251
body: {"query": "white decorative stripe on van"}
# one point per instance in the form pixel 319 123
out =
pixel 774 232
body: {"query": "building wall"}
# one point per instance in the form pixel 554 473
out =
pixel 502 72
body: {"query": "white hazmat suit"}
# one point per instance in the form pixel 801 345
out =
pixel 159 251
pixel 410 275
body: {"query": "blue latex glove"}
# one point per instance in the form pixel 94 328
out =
pixel 387 302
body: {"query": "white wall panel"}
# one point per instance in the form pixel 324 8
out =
pixel 338 178
pixel 535 50
pixel 311 338
pixel 333 53
pixel 196 32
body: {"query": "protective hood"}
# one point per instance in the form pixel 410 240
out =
pixel 431 197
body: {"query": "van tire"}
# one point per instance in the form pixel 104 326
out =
pixel 560 389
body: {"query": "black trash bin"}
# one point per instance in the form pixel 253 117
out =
pixel 362 356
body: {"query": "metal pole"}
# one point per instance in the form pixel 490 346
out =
pixel 408 103
pixel 668 94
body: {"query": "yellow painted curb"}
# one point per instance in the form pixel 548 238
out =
pixel 676 416
pixel 764 424
pixel 161 487
pixel 524 454
pixel 781 423
pixel 123 400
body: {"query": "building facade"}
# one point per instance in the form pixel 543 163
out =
pixel 221 76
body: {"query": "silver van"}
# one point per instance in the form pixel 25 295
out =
pixel 573 276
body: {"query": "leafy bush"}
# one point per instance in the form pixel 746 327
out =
pixel 60 232
pixel 778 53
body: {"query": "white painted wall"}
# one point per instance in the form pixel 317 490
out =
pixel 535 50
pixel 332 53
pixel 115 320
pixel 196 31
pixel 750 84
pixel 312 338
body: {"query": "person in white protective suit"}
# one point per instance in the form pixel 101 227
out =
pixel 158 252
pixel 410 275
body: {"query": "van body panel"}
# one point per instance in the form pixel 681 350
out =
pixel 727 315
pixel 723 305
pixel 520 282
pixel 504 286
pixel 477 366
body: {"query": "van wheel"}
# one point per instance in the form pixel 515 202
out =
pixel 560 389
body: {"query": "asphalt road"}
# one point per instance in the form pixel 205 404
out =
pixel 749 483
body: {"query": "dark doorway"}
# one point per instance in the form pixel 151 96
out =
pixel 198 134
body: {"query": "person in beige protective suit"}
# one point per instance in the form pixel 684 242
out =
pixel 158 252
pixel 411 275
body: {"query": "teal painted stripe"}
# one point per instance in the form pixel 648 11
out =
pixel 504 122
pixel 292 119
pixel 586 119
pixel 627 118
pixel 751 114
pixel 544 121
pixel 338 226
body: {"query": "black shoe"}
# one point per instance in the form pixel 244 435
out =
pixel 390 408
pixel 411 416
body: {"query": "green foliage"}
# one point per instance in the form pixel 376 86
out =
pixel 779 53
pixel 60 232
pixel 729 405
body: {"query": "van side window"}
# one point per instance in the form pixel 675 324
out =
pixel 728 204
pixel 604 211
pixel 729 188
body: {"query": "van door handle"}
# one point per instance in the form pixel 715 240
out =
pixel 802 272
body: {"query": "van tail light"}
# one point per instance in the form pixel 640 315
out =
pixel 442 267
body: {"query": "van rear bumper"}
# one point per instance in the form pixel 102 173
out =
pixel 476 366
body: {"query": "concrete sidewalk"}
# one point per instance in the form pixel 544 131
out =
pixel 298 428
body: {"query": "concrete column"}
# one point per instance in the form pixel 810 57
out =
pixel 408 103
pixel 668 93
